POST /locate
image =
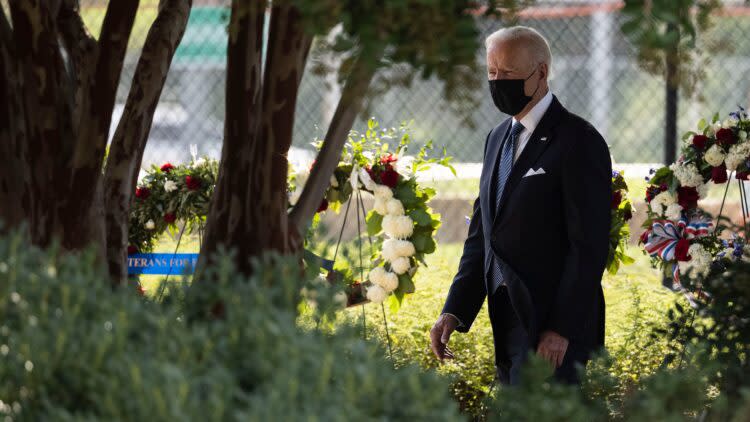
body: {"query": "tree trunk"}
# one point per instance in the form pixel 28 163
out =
pixel 126 151
pixel 14 177
pixel 328 158
pixel 249 207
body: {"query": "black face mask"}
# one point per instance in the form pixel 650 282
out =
pixel 509 96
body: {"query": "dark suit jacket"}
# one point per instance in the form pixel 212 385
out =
pixel 551 233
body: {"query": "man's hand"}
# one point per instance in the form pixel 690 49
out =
pixel 552 348
pixel 440 334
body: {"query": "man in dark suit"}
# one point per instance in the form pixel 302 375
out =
pixel 538 238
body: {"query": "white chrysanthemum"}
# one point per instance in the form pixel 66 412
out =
pixel 673 212
pixel 150 225
pixel 383 192
pixel 400 265
pixel 170 186
pixel 405 248
pixel 736 155
pixel 729 123
pixel 699 264
pixel 715 156
pixel 389 282
pixel 376 275
pixel 198 162
pixel 703 189
pixel 398 226
pixel 380 206
pixel 376 294
pixel 687 174
pixel 662 201
pixel 395 207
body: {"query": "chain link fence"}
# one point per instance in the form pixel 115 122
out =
pixel 595 74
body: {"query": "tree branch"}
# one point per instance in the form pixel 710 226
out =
pixel 126 151
pixel 347 109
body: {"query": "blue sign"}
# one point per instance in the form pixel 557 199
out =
pixel 162 263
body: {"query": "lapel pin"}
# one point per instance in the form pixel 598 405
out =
pixel 544 138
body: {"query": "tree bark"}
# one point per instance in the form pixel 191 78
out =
pixel 14 176
pixel 328 158
pixel 126 150
pixel 249 207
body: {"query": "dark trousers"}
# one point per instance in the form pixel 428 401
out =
pixel 513 345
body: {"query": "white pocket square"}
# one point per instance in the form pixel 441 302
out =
pixel 533 172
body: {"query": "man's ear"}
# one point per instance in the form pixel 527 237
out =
pixel 544 72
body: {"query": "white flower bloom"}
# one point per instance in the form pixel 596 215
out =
pixel 376 275
pixel 170 186
pixel 736 156
pixel 729 123
pixel 400 265
pixel 716 126
pixel 395 248
pixel 703 189
pixel 403 166
pixel 699 264
pixel 376 294
pixel 395 207
pixel 662 201
pixel 380 206
pixel 366 180
pixel 199 162
pixel 340 299
pixel 150 225
pixel 673 212
pixel 383 192
pixel 334 181
pixel 687 174
pixel 399 227
pixel 714 156
pixel 389 282
pixel 405 248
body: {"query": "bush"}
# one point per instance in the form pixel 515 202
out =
pixel 75 349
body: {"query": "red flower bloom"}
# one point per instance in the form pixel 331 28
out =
pixel 687 197
pixel 142 193
pixel 681 250
pixel 132 250
pixel 323 205
pixel 170 217
pixel 699 142
pixel 644 236
pixel 193 183
pixel 719 174
pixel 389 178
pixel 616 199
pixel 388 159
pixel 652 191
pixel 725 137
pixel 628 214
pixel 167 167
pixel 742 175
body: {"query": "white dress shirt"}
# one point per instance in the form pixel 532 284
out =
pixel 530 121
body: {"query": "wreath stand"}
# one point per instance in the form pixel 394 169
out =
pixel 357 295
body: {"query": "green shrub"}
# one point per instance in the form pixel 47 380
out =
pixel 74 349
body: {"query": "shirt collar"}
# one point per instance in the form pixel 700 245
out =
pixel 532 118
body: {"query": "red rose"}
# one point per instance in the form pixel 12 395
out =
pixel 192 183
pixel 142 193
pixel 616 199
pixel 132 250
pixel 167 167
pixel 699 142
pixel 725 137
pixel 169 217
pixel 389 178
pixel 687 197
pixel 628 214
pixel 681 250
pixel 742 175
pixel 323 205
pixel 719 174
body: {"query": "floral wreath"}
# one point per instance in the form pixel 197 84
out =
pixel 680 237
pixel 169 193
pixel 619 233
pixel 401 225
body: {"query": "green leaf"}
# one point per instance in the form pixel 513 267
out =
pixel 702 124
pixel 406 284
pixel 374 223
pixel 421 217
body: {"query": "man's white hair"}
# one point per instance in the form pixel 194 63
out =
pixel 536 44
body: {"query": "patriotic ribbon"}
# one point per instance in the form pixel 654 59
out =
pixel 664 235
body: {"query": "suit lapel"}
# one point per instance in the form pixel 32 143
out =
pixel 489 175
pixel 540 139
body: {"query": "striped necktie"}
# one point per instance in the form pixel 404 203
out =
pixel 506 165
